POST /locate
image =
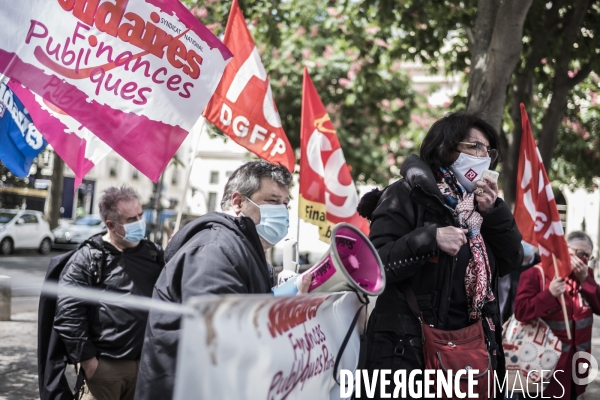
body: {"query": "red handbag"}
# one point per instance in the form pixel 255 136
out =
pixel 461 349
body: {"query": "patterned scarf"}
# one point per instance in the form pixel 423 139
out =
pixel 478 278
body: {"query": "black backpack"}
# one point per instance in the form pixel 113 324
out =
pixel 52 353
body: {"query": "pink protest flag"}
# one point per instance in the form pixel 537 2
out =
pixel 135 73
pixel 76 145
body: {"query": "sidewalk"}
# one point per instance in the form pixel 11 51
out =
pixel 18 358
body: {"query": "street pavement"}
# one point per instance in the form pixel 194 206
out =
pixel 18 337
pixel 27 270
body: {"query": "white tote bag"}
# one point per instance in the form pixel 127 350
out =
pixel 529 348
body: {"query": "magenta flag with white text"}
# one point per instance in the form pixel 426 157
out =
pixel 135 73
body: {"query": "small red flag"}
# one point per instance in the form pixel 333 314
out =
pixel 243 106
pixel 327 193
pixel 535 207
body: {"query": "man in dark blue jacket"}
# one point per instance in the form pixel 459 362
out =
pixel 219 253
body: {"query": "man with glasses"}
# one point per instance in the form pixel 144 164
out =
pixel 218 253
pixel 580 248
pixel 582 301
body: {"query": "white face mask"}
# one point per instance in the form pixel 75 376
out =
pixel 468 170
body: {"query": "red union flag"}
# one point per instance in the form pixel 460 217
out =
pixel 243 105
pixel 535 207
pixel 327 193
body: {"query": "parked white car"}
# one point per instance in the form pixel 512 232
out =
pixel 24 229
pixel 70 236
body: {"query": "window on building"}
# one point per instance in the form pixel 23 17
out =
pixel 135 174
pixel 228 174
pixel 212 202
pixel 175 178
pixel 214 177
pixel 113 166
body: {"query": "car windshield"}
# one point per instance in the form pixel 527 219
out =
pixel 89 221
pixel 5 217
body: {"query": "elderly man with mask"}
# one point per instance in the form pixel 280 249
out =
pixel 582 301
pixel 219 253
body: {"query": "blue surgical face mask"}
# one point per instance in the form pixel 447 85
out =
pixel 134 231
pixel 274 222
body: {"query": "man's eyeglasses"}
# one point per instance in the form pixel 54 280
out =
pixel 481 150
pixel 583 256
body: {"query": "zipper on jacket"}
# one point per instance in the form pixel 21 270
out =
pixel 454 223
pixel 449 288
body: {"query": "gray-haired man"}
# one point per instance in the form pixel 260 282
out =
pixel 219 253
pixel 106 338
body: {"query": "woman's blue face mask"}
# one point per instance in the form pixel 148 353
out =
pixel 274 222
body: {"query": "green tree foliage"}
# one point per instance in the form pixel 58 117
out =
pixel 353 50
pixel 557 82
pixel 348 54
pixel 556 77
pixel 576 159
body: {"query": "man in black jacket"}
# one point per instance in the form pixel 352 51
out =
pixel 106 338
pixel 219 253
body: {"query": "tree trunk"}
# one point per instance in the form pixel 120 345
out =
pixel 56 190
pixel 562 84
pixel 551 122
pixel 522 92
pixel 497 49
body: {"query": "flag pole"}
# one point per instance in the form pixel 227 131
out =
pixel 188 175
pixel 298 242
pixel 562 300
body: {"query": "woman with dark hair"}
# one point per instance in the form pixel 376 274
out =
pixel 442 232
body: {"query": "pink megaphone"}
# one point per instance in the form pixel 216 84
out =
pixel 352 263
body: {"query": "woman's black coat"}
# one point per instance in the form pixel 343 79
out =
pixel 403 230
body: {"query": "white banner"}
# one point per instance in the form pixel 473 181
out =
pixel 265 347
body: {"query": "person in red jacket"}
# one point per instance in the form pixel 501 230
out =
pixel 582 299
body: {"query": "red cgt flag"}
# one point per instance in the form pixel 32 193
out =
pixel 243 106
pixel 535 207
pixel 327 193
